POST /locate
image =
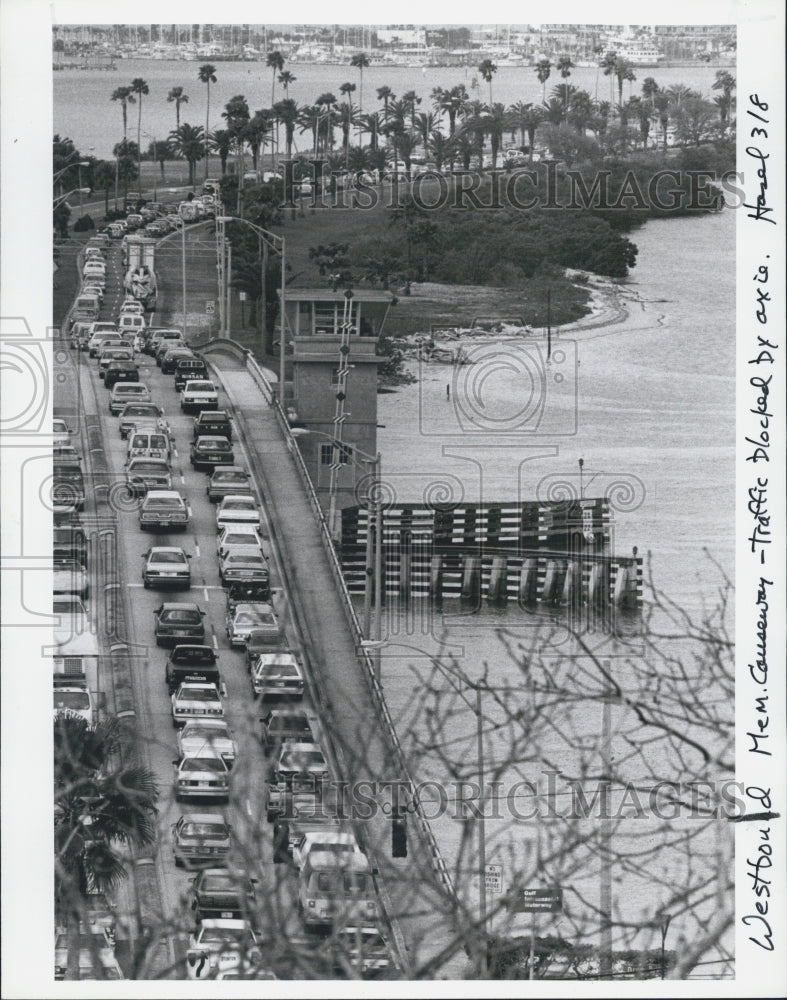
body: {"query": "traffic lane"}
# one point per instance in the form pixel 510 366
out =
pixel 245 811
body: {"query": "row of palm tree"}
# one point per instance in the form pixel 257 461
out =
pixel 406 127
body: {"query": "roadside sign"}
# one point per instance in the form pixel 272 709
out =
pixel 210 307
pixel 493 878
pixel 242 296
pixel 537 901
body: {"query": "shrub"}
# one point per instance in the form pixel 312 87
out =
pixel 83 224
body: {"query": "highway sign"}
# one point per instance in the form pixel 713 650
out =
pixel 493 878
pixel 537 901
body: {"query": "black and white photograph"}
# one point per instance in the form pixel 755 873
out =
pixel 393 434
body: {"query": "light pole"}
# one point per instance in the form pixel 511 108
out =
pixel 61 198
pixel 183 262
pixel 277 244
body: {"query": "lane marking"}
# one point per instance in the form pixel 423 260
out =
pixel 215 642
pixel 196 549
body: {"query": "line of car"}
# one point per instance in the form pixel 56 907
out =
pixel 335 883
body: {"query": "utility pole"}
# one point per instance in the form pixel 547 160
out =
pixel 229 290
pixel 481 834
pixel 549 324
pixel 263 311
pixel 183 265
pixel 283 323
pixel 605 888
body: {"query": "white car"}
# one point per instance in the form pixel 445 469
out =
pixel 196 701
pixel 202 777
pixel 324 840
pixel 199 395
pixel 245 617
pixel 74 701
pixel 220 945
pixel 61 431
pixel 127 392
pixel 237 534
pixel 276 675
pixel 207 737
pixel 238 509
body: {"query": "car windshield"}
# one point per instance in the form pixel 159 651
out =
pixel 181 616
pixel 244 559
pixel 198 694
pixel 238 505
pixel 200 386
pixel 130 390
pixel 203 732
pixel 300 760
pixel 219 934
pixel 253 618
pixel 204 764
pixel 168 557
pixel 231 477
pixel 219 883
pixel 211 444
pixel 140 410
pixel 76 700
pixel 162 503
pixel 299 722
pixel 204 830
pixel 194 655
pixel 279 670
pixel 148 467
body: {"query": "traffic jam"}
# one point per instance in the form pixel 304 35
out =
pixel 254 863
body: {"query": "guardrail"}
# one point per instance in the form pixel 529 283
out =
pixel 373 682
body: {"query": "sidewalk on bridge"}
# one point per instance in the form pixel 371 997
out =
pixel 420 907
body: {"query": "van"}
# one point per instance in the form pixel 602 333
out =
pixel 130 323
pixel 149 441
pixel 87 307
pixel 336 887
pixel 80 334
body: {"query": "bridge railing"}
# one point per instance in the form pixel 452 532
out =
pixel 378 696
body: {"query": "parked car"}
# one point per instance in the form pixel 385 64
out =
pixel 208 451
pixel 127 392
pixel 229 481
pixel 242 564
pixel 134 413
pixel 176 622
pixel 95 956
pixel 120 371
pixel 277 676
pixel 163 509
pixel 69 544
pixel 191 663
pixel 199 839
pixel 70 577
pixel 201 778
pixel 213 422
pixel 244 618
pixel 223 894
pixel 76 701
pixel 238 509
pixel 166 566
pixel 208 736
pixel 195 701
pixel 143 474
pixel 199 395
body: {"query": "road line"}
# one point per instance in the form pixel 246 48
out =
pixel 215 642
pixel 205 592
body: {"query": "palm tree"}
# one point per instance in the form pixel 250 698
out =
pixel 104 180
pixel 441 149
pixel 623 71
pixel 554 110
pixel 371 122
pixel 451 103
pixel 207 75
pixel 221 142
pixel 411 99
pixel 725 82
pixel 564 67
pixel 678 93
pixel 360 62
pixel 140 88
pixel 327 103
pixel 348 117
pixel 496 123
pixel 663 107
pixel 236 115
pixel 126 97
pixel 385 94
pixel 256 132
pixel 285 79
pixel 580 110
pixel 189 142
pixel 487 69
pixel 177 95
pixel 608 64
pixel 100 805
pixel 637 108
pixel 543 70
pixel 288 113
pixel 425 124
pixel 275 60
pixel 649 89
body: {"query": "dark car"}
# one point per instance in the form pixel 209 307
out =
pixel 168 357
pixel 212 422
pixel 209 451
pixel 68 485
pixel 187 369
pixel 201 838
pixel 121 371
pixel 220 894
pixel 280 725
pixel 191 664
pixel 178 622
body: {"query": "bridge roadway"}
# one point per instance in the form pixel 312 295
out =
pixel 416 903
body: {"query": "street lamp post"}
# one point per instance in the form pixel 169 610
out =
pixel 183 271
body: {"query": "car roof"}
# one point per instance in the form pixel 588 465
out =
pixel 204 818
pixel 182 606
pixel 211 437
pixel 166 548
pixel 163 495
